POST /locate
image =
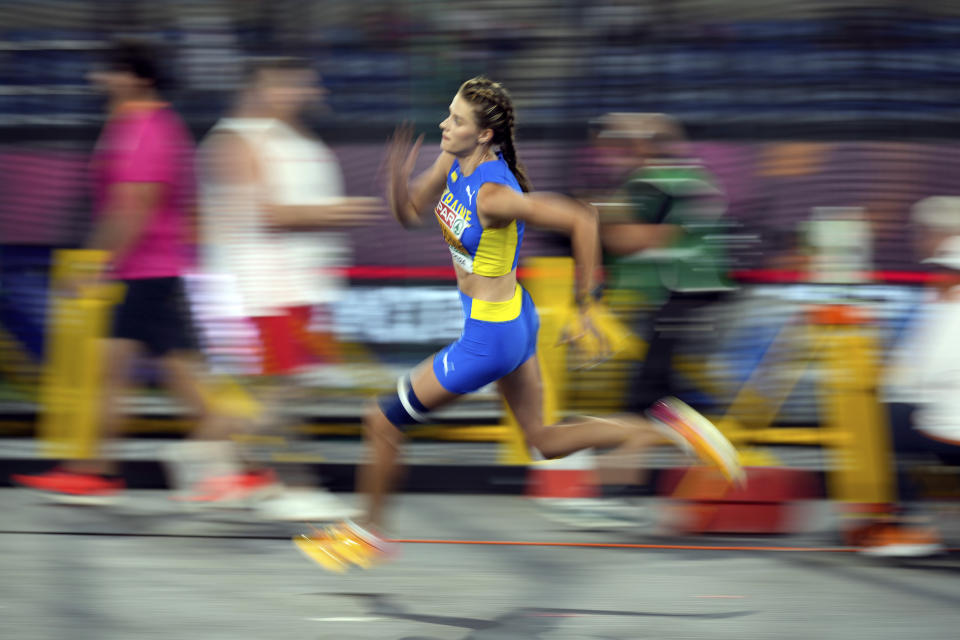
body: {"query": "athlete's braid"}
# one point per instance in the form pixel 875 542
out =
pixel 494 111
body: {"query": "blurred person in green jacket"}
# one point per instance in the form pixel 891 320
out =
pixel 662 233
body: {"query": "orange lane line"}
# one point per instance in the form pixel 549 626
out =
pixel 615 545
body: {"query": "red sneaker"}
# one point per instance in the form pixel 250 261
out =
pixel 70 485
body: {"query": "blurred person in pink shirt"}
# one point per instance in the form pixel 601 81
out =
pixel 142 172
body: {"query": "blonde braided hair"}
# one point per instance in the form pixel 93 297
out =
pixel 494 110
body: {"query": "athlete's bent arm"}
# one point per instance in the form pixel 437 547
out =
pixel 549 211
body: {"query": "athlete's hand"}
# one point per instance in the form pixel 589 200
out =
pixel 401 158
pixel 583 333
pixel 402 154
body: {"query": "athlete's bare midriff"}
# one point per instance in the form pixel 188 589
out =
pixel 491 289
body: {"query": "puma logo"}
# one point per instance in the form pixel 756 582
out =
pixel 447 367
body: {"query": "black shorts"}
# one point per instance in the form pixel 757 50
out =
pixel 155 313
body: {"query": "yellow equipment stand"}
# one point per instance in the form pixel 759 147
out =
pixel 854 418
pixel 73 369
pixel 853 425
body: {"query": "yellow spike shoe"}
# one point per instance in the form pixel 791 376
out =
pixel 320 550
pixel 344 545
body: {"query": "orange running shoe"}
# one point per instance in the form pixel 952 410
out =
pixel 693 433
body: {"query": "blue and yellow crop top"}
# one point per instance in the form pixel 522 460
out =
pixel 486 252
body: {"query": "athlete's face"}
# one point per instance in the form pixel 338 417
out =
pixel 461 135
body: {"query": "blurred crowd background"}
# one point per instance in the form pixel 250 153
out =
pixel 793 105
pixel 799 110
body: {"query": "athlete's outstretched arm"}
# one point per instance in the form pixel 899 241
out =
pixel 230 160
pixel 550 211
pixel 409 202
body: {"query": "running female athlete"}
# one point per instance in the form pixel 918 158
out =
pixel 481 196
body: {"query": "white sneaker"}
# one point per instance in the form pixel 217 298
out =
pixel 596 513
pixel 305 505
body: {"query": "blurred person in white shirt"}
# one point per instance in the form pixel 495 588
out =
pixel 272 196
pixel 922 383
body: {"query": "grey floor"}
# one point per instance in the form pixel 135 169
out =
pixel 143 568
pixel 351 451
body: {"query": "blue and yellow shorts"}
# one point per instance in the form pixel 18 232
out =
pixel 497 338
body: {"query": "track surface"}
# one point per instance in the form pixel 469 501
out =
pixel 142 568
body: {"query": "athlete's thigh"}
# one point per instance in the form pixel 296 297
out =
pixel 522 389
pixel 427 387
